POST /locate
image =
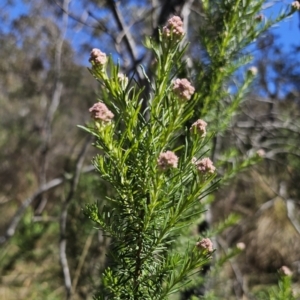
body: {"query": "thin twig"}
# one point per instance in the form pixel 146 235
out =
pixel 185 13
pixel 63 219
pixel 79 19
pixel 85 250
pixel 55 101
pixel 18 215
pixel 236 271
pixel 129 41
pixel 154 13
pixel 290 207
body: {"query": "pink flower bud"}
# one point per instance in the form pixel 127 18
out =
pixel 241 246
pixel 174 28
pixel 284 270
pixel 100 112
pixel 183 89
pixel 296 5
pixel 98 57
pixel 199 127
pixel 261 153
pixel 205 244
pixel 205 166
pixel 123 79
pixel 167 160
pixel 252 71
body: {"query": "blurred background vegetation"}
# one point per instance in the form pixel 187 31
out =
pixel 45 160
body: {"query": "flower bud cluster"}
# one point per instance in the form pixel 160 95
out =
pixel 174 28
pixel 123 80
pixel 183 89
pixel 261 153
pixel 98 57
pixel 241 246
pixel 296 5
pixel 252 71
pixel 284 270
pixel 205 244
pixel 167 160
pixel 204 166
pixel 199 127
pixel 100 112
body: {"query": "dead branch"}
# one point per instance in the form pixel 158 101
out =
pixel 129 41
pixel 79 20
pixel 63 219
pixel 240 288
pixel 55 101
pixel 85 250
pixel 290 207
pixel 10 231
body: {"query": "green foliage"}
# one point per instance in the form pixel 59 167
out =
pixel 32 63
pixel 230 26
pixel 151 205
pixel 282 292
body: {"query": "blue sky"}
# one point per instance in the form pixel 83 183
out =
pixel 288 31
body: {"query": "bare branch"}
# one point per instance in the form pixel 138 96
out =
pixel 10 231
pixel 240 289
pixel 85 250
pixel 290 207
pixel 186 10
pixel 63 219
pixel 18 215
pixel 154 13
pixel 100 25
pixel 55 101
pixel 129 41
pixel 64 262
